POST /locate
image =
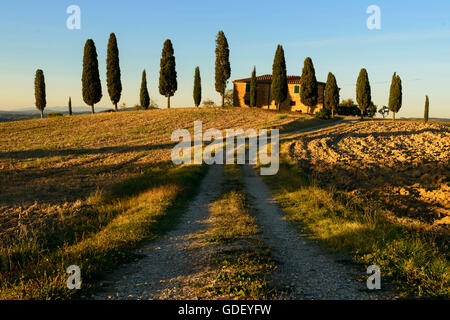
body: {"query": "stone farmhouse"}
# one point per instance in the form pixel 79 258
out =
pixel 241 94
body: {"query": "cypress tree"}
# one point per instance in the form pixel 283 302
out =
pixel 253 89
pixel 70 106
pixel 223 69
pixel 331 99
pixel 113 71
pixel 144 96
pixel 363 95
pixel 92 87
pixel 39 91
pixel 308 85
pixel 279 87
pixel 427 109
pixel 395 95
pixel 197 87
pixel 167 74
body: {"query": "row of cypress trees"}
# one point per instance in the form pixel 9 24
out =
pixel 91 84
pixel 92 91
pixel 309 87
pixel 222 70
pixel 308 84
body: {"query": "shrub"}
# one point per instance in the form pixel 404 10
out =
pixel 54 114
pixel 384 111
pixel 209 103
pixel 282 116
pixel 323 114
pixel 371 110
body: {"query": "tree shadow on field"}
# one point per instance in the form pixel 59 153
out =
pixel 40 153
pixel 74 178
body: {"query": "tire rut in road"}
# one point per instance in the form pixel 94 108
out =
pixel 170 268
pixel 304 269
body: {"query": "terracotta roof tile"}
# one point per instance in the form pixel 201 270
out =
pixel 267 78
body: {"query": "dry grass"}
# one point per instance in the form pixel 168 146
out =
pixel 88 187
pixel 98 236
pixel 47 167
pixel 63 158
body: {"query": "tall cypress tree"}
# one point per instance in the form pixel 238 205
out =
pixel 395 95
pixel 363 94
pixel 39 91
pixel 253 89
pixel 113 71
pixel 308 85
pixel 197 94
pixel 167 74
pixel 70 106
pixel 144 96
pixel 223 69
pixel 279 87
pixel 92 87
pixel 427 109
pixel 331 99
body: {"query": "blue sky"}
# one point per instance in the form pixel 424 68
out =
pixel 414 41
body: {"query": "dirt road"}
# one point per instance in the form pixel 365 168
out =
pixel 171 268
pixel 305 270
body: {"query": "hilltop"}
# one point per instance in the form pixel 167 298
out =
pixel 71 184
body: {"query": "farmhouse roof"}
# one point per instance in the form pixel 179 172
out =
pixel 267 78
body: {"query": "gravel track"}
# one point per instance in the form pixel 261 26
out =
pixel 174 265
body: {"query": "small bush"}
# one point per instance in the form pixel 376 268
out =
pixel 282 116
pixel 54 114
pixel 323 114
pixel 209 103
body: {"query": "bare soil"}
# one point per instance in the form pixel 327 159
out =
pixel 405 164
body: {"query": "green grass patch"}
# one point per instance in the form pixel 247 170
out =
pixel 244 261
pixel 282 116
pixel 417 261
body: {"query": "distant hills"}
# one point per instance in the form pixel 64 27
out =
pixel 28 113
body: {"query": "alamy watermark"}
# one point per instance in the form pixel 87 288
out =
pixel 74 280
pixel 192 151
pixel 73 22
pixel 374 20
pixel 374 280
